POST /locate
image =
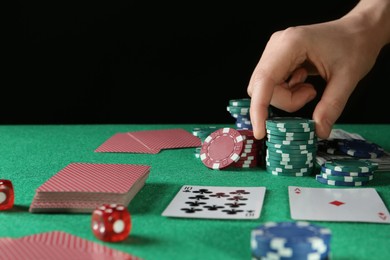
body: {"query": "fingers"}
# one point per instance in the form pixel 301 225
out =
pixel 289 96
pixel 331 105
pixel 260 100
pixel 295 93
pixel 283 54
pixel 294 98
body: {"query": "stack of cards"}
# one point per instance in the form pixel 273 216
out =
pixel 81 187
pixel 57 245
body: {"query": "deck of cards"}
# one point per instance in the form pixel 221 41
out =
pixel 81 187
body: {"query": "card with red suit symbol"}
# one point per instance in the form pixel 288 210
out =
pixel 335 204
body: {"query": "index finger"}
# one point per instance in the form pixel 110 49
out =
pixel 278 61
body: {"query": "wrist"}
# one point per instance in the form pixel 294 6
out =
pixel 371 20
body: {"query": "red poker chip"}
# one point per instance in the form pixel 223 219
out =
pixel 246 132
pixel 222 148
pixel 240 162
pixel 245 165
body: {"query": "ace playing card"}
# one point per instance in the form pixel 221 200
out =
pixel 329 204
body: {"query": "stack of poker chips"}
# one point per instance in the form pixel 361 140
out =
pixel 358 148
pixel 347 172
pixel 291 146
pixel 239 109
pixel 202 133
pixel 290 240
pixel 252 152
pixel 229 147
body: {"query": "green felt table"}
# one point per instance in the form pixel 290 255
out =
pixel 31 154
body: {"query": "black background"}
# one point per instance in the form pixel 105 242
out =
pixel 164 62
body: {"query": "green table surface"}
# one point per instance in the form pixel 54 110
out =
pixel 31 154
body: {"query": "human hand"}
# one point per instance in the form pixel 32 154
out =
pixel 342 52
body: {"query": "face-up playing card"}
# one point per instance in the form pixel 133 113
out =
pixel 330 204
pixel 216 202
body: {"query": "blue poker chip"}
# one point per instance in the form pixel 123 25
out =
pixel 351 165
pixel 329 146
pixel 360 148
pixel 322 180
pixel 290 240
pixel 350 174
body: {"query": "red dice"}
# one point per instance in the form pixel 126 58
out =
pixel 6 195
pixel 111 222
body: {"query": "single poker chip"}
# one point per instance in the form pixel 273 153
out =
pixel 290 122
pixel 286 166
pixel 291 156
pixel 288 161
pixel 247 158
pixel 303 170
pixel 351 165
pixel 292 174
pixel 241 102
pixel 360 148
pixel 290 129
pixel 235 115
pixel 288 157
pixel 244 121
pixel 275 138
pixel 241 118
pixel 197 152
pixel 242 126
pixel 294 164
pixel 245 165
pixel 222 148
pixel 346 178
pixel 293 151
pixel 322 180
pixel 296 142
pixel 238 110
pixel 339 173
pixel 291 147
pixel 285 135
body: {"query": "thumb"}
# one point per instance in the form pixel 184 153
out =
pixel 331 105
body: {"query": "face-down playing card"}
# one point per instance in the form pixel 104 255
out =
pixel 216 202
pixel 57 245
pixel 81 187
pixel 149 141
pixel 331 204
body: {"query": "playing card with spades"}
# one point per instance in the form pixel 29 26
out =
pixel 216 202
